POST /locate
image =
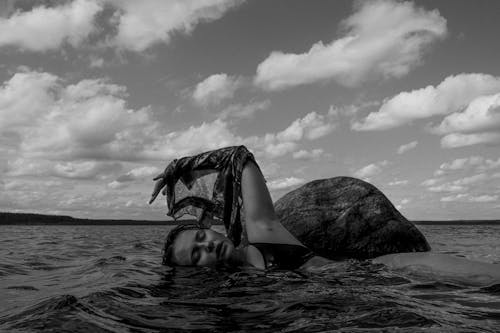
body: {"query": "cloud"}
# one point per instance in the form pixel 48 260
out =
pixel 451 95
pixel 471 180
pixel 447 188
pixel 482 114
pixel 456 197
pixel 455 140
pixel 308 155
pixel 215 88
pixel 134 174
pixel 398 182
pixel 284 183
pixel 370 170
pixel 430 182
pixel 382 39
pixel 465 197
pixel 409 146
pixel 86 169
pixel 243 111
pixel 47 28
pixel 142 24
pixel 311 127
pixel 462 163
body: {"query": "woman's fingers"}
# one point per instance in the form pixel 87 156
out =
pixel 160 183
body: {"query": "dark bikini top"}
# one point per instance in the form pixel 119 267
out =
pixel 283 256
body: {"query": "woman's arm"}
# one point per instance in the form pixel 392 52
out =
pixel 444 266
pixel 261 222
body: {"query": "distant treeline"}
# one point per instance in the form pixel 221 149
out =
pixel 459 222
pixel 40 219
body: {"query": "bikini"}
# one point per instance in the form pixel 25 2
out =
pixel 283 256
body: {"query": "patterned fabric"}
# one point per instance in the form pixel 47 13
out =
pixel 209 183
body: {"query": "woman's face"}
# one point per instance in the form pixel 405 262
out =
pixel 201 247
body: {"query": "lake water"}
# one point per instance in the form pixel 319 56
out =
pixel 109 279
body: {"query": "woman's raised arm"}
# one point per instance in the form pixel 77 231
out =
pixel 261 222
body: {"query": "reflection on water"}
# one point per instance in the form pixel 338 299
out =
pixel 109 279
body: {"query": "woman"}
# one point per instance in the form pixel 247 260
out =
pixel 238 180
pixel 239 186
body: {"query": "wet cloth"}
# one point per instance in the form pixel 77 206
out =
pixel 209 184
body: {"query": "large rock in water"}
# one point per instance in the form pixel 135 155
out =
pixel 346 217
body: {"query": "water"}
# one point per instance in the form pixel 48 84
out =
pixel 109 279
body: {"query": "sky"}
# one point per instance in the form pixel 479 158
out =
pixel 98 96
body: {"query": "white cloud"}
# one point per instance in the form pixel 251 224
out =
pixel 307 155
pixel 456 197
pixel 370 170
pixel 284 183
pixel 86 169
pixel 447 188
pixel 465 197
pixel 462 163
pixel 382 39
pixel 216 88
pixel 409 146
pixel 398 182
pixel 455 140
pixel 482 114
pixel 25 98
pixel 243 110
pixel 142 24
pixel 430 182
pixel 484 198
pixel 471 180
pixel 311 127
pixel 86 120
pixel 451 95
pixel 47 28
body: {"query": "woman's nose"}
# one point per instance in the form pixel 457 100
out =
pixel 209 245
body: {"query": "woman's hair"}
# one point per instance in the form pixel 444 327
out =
pixel 168 249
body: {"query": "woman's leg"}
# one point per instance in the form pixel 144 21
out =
pixel 261 222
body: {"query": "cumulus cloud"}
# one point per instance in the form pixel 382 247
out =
pixel 451 95
pixel 47 28
pixel 215 88
pixel 461 163
pixel 398 182
pixel 455 140
pixel 244 111
pixel 382 39
pixel 447 188
pixel 370 170
pixel 431 182
pixel 142 24
pixel 406 147
pixel 284 183
pixel 86 169
pixel 307 155
pixel 311 127
pixel 482 114
pixel 465 197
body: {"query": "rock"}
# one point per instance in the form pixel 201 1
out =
pixel 346 217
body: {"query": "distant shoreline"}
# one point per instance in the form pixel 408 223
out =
pixel 41 219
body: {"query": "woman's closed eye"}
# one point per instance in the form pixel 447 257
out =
pixel 195 255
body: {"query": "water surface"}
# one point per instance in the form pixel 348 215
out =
pixel 109 279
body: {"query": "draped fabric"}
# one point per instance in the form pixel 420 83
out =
pixel 209 184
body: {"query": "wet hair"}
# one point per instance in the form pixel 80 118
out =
pixel 168 248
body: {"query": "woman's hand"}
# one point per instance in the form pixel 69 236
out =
pixel 159 185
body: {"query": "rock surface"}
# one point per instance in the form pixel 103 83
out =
pixel 346 217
